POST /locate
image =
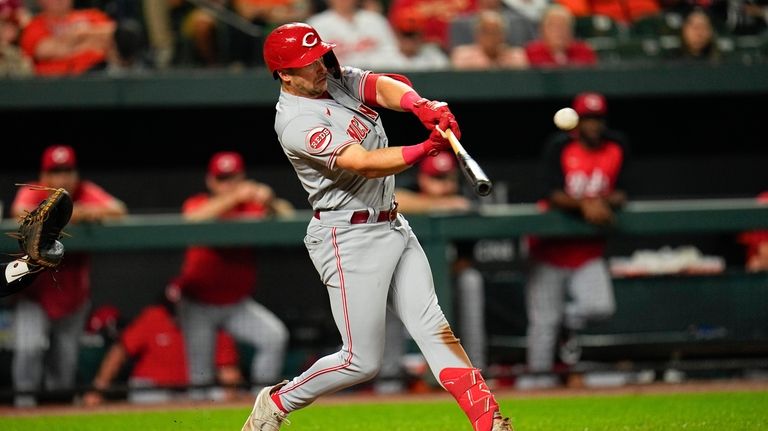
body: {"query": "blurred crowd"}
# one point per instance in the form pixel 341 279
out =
pixel 72 37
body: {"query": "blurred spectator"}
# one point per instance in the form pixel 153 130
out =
pixel 154 346
pixel 162 31
pixel 263 15
pixel 698 41
pixel 216 284
pixel 51 313
pixel 186 33
pixel 66 41
pixel 417 53
pixel 13 62
pixel 747 17
pixel 533 10
pixel 489 50
pixel 363 38
pixel 556 46
pixel 756 243
pixel 518 28
pixel 569 283
pixel 200 26
pixel 624 12
pixel 437 190
pixel 433 17
pixel 273 12
pixel 127 53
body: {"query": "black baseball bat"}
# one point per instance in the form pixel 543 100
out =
pixel 481 184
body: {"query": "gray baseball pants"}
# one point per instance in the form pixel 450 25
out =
pixel 361 265
pixel 547 291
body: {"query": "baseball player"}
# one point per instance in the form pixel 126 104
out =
pixel 50 314
pixel 569 283
pixel 216 283
pixel 363 250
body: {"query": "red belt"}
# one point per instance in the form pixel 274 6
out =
pixel 359 217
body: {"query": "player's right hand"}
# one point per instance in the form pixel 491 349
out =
pixel 431 113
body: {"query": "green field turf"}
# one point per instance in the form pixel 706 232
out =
pixel 706 411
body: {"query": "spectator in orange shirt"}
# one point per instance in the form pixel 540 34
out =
pixel 51 312
pixel 623 12
pixel 153 340
pixel 64 41
pixel 556 46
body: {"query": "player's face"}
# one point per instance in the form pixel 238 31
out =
pixel 439 186
pixel 66 179
pixel 308 81
pixel 224 184
pixel 591 130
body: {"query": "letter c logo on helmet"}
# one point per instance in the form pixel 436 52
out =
pixel 295 45
pixel 309 40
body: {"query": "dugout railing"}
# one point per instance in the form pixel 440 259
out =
pixel 721 319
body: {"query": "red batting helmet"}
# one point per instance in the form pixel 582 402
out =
pixel 297 45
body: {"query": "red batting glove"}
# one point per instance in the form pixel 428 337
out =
pixel 431 147
pixel 429 112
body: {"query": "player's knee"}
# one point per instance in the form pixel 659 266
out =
pixel 368 371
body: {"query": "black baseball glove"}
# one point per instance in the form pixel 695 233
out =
pixel 40 230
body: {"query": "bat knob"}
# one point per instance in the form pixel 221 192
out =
pixel 483 188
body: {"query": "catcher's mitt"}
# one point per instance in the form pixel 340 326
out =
pixel 40 229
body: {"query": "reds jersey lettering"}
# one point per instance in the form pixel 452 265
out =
pixel 317 139
pixel 579 184
pixel 368 112
pixel 357 130
pixel 590 172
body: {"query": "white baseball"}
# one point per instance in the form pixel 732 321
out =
pixel 566 119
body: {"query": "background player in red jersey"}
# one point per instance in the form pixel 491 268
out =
pixel 155 344
pixel 569 283
pixel 51 312
pixel 216 284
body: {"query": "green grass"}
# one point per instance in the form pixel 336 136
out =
pixel 730 411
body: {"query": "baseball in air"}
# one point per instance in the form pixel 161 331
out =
pixel 566 119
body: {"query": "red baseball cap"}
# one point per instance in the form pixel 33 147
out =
pixel 101 317
pixel 226 163
pixel 441 164
pixel 590 104
pixel 58 157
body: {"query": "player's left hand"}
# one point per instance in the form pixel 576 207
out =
pixel 430 112
pixel 436 142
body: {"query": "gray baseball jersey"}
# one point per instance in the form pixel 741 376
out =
pixel 366 267
pixel 314 131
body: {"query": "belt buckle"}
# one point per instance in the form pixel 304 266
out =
pixel 393 212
